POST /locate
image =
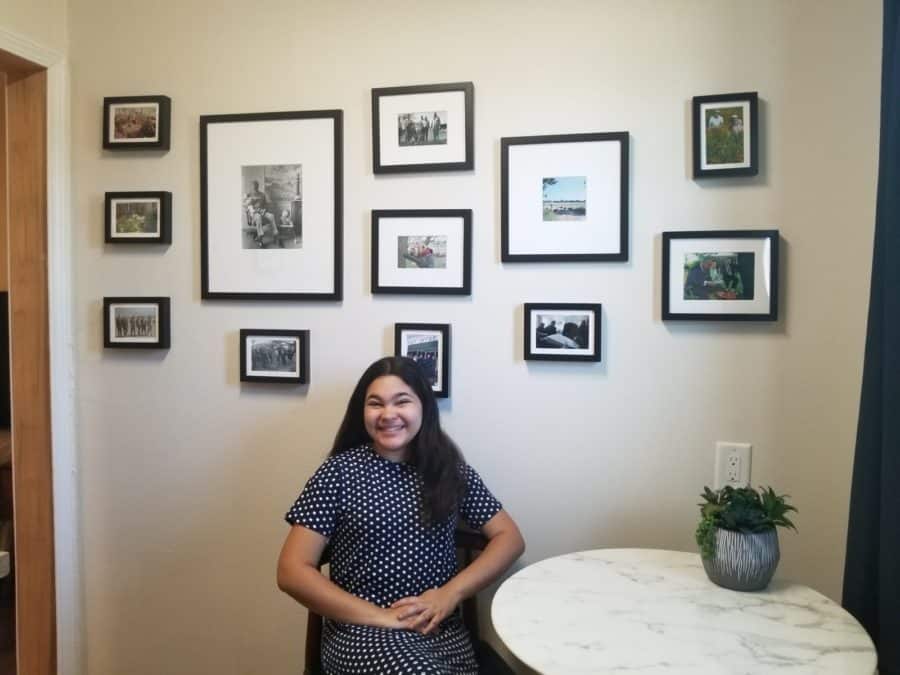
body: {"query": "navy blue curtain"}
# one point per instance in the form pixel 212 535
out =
pixel 872 572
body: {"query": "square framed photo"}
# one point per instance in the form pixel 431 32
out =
pixel 271 355
pixel 428 127
pixel 428 344
pixel 562 331
pixel 136 323
pixel 271 205
pixel 138 217
pixel 720 275
pixel 422 251
pixel 564 198
pixel 136 122
pixel 726 128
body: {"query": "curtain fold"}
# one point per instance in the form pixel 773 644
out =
pixel 872 571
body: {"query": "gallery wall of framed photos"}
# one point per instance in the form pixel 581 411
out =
pixel 666 386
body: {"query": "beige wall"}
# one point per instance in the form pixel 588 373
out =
pixel 41 21
pixel 186 473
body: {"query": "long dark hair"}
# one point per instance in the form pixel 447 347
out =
pixel 432 452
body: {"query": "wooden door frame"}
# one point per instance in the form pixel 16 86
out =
pixel 70 658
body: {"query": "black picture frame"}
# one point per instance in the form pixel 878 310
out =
pixel 307 226
pixel 715 137
pixel 436 369
pixel 299 374
pixel 419 278
pixel 522 235
pixel 745 289
pixel 126 136
pixel 136 334
pixel 163 200
pixel 389 144
pixel 569 344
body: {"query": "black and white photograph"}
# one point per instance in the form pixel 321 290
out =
pixel 423 128
pixel 271 355
pixel 564 198
pixel 422 251
pixel 136 322
pixel 428 344
pixel 725 128
pixel 271 206
pixel 720 275
pixel 562 332
pixel 138 217
pixel 136 122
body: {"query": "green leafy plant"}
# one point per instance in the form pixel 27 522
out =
pixel 741 509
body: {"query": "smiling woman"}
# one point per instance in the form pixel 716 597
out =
pixel 386 502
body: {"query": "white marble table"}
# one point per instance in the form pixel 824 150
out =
pixel 654 612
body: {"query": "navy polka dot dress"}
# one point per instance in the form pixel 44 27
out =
pixel 368 507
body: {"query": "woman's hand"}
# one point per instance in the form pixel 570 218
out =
pixel 424 613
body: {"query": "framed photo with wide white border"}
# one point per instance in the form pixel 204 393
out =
pixel 136 322
pixel 138 217
pixel 564 198
pixel 422 251
pixel 720 275
pixel 136 122
pixel 273 355
pixel 420 128
pixel 562 331
pixel 428 344
pixel 271 195
pixel 726 128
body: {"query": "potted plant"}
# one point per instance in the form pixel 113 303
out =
pixel 737 536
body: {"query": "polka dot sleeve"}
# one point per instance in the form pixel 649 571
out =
pixel 318 506
pixel 479 505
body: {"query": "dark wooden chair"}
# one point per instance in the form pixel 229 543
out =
pixel 468 544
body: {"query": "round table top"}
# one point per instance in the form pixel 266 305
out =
pixel 656 613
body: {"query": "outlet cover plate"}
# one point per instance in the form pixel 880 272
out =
pixel 732 464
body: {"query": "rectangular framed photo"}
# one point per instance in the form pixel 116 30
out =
pixel 423 128
pixel 726 139
pixel 428 344
pixel 271 355
pixel 271 205
pixel 720 275
pixel 562 331
pixel 564 198
pixel 422 251
pixel 136 323
pixel 138 217
pixel 136 122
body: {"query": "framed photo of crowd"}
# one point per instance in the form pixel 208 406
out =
pixel 136 122
pixel 425 252
pixel 273 355
pixel 138 217
pixel 562 331
pixel 720 275
pixel 420 128
pixel 271 214
pixel 428 344
pixel 726 135
pixel 136 323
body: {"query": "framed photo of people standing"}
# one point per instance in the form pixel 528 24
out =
pixel 720 275
pixel 428 344
pixel 136 322
pixel 726 135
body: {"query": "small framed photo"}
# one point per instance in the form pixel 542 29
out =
pixel 423 128
pixel 136 323
pixel 271 205
pixel 422 251
pixel 726 139
pixel 428 344
pixel 562 331
pixel 564 198
pixel 138 217
pixel 720 275
pixel 269 355
pixel 136 122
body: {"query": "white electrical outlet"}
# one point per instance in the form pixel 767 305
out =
pixel 732 464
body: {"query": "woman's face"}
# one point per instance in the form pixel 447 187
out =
pixel 392 414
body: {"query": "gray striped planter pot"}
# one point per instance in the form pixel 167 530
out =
pixel 743 561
